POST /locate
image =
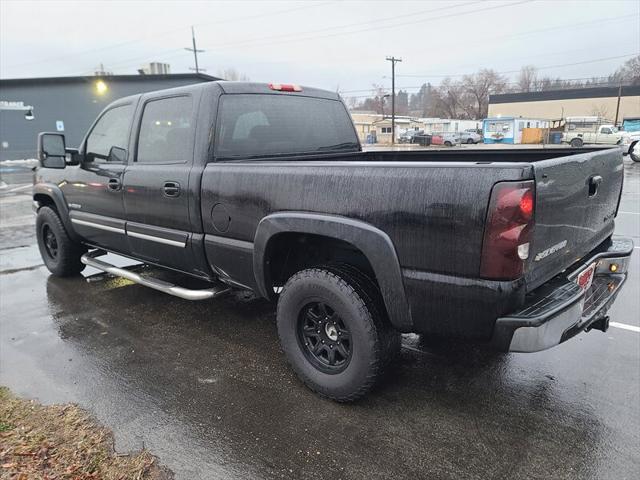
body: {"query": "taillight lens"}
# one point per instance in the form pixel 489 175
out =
pixel 507 232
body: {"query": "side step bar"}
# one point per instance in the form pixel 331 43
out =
pixel 90 260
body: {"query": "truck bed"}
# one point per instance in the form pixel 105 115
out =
pixel 431 204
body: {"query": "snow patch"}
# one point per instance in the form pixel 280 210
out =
pixel 29 162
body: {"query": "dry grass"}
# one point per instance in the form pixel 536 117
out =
pixel 63 442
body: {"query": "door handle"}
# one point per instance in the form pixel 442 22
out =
pixel 114 184
pixel 171 189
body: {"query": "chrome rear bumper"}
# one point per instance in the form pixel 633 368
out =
pixel 560 309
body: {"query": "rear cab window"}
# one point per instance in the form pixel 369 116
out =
pixel 265 125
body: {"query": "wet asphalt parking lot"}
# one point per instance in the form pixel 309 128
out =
pixel 203 385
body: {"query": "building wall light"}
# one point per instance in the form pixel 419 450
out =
pixel 101 87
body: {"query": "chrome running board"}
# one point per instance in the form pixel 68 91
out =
pixel 90 260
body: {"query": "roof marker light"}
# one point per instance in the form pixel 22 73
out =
pixel 285 87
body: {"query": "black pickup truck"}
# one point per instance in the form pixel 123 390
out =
pixel 266 188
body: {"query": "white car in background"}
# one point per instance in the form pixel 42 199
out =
pixel 470 136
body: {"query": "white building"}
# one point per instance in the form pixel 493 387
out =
pixel 449 125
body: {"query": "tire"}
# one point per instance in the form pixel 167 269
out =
pixel 60 254
pixel 576 142
pixel 346 298
pixel 470 140
pixel 369 289
pixel 448 144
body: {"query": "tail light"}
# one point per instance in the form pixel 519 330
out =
pixel 507 231
pixel 282 87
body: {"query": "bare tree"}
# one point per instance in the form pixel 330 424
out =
pixel 479 86
pixel 232 74
pixel 352 102
pixel 527 79
pixel 628 73
pixel 447 98
pixel 599 110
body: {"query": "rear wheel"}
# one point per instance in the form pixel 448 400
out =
pixel 577 142
pixel 470 140
pixel 448 143
pixel 333 332
pixel 60 253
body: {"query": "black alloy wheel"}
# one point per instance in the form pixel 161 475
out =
pixel 324 337
pixel 50 241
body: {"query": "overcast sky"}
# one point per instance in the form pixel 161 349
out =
pixel 327 44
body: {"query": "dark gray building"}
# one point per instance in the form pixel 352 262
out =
pixel 68 105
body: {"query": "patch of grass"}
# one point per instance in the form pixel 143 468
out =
pixel 63 442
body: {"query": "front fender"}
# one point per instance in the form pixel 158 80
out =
pixel 54 193
pixel 371 241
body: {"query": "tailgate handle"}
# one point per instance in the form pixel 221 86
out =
pixel 593 184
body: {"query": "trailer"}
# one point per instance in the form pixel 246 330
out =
pixel 510 129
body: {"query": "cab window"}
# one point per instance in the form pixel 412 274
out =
pixel 112 130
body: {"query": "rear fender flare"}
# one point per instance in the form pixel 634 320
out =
pixel 376 246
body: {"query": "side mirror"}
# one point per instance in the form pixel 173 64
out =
pixel 117 155
pixel 51 150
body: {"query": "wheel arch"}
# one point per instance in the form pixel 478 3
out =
pixel 375 246
pixel 45 194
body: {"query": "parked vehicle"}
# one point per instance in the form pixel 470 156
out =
pixel 422 138
pixel 407 137
pixel 470 136
pixel 448 139
pixel 603 134
pixel 631 132
pixel 266 188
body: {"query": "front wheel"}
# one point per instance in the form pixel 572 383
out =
pixel 333 332
pixel 470 140
pixel 60 253
pixel 448 144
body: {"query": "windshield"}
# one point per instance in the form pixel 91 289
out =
pixel 266 125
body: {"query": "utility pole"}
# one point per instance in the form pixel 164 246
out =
pixel 195 52
pixel 615 123
pixel 393 61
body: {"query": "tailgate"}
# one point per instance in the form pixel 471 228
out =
pixel 576 201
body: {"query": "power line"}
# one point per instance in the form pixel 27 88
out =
pixel 291 37
pixel 350 25
pixel 382 27
pixel 418 87
pixel 166 32
pixel 516 71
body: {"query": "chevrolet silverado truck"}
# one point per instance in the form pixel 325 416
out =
pixel 265 187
